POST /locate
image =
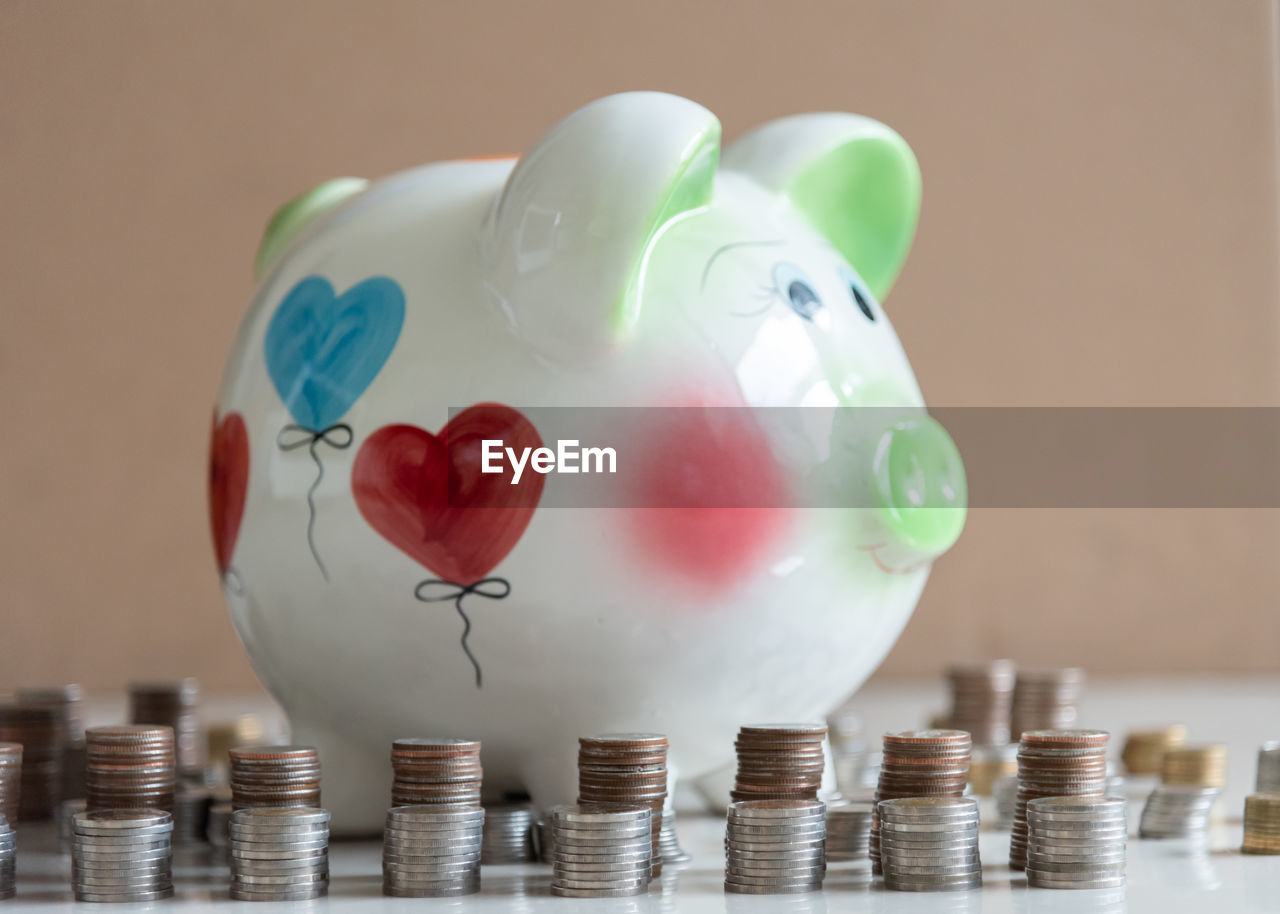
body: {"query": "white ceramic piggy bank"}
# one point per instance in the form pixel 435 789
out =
pixel 385 585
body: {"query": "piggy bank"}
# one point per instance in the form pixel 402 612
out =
pixel 780 492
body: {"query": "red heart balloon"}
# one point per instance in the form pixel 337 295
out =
pixel 426 495
pixel 228 483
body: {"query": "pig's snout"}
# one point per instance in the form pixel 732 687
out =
pixel 919 492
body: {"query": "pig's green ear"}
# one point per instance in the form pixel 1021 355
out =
pixel 567 238
pixel 290 219
pixel 855 180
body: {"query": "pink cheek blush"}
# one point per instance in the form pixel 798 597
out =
pixel 715 498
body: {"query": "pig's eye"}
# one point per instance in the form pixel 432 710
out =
pixel 860 298
pixel 796 289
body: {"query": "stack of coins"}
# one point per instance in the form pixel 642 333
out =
pixel 628 769
pixel 1005 793
pixel 218 831
pixel 122 855
pixel 190 814
pixel 848 749
pixel 66 700
pixel 668 841
pixel 1144 749
pixel 1045 700
pixel 601 852
pixel 930 844
pixel 10 781
pixel 1056 763
pixel 275 776
pixel 508 837
pixel 220 738
pixel 775 847
pixel 130 767
pixel 1177 811
pixel 1269 767
pixel 436 772
pixel 67 813
pixel 989 764
pixel 919 763
pixel 779 762
pixel 8 860
pixel 432 851
pixel 39 729
pixel 279 853
pixel 1262 824
pixel 981 701
pixel 1076 842
pixel 544 843
pixel 1204 766
pixel 173 705
pixel 848 831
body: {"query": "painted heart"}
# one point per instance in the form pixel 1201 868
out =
pixel 228 484
pixel 425 493
pixel 323 350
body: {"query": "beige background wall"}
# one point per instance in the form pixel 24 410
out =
pixel 1099 227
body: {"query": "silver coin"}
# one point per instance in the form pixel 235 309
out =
pixel 586 882
pixel 124 839
pixel 600 835
pixel 431 837
pixel 605 847
pixel 280 877
pixel 1076 871
pixel 240 852
pixel 568 856
pixel 963 886
pixel 567 892
pixel 442 892
pixel 893 868
pixel 602 870
pixel 122 818
pixel 112 869
pixel 441 869
pixel 392 842
pixel 427 854
pixel 1095 857
pixel 121 860
pixel 764 872
pixel 279 866
pixel 808 818
pixel 278 845
pixel 294 815
pixel 427 878
pixel 774 882
pixel 775 847
pixel 1048 882
pixel 739 889
pixel 278 893
pixel 594 814
pixel 130 897
pixel 751 832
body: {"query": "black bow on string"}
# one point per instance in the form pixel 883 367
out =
pixel 490 588
pixel 339 437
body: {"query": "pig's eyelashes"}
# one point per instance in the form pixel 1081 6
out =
pixel 796 289
pixel 860 298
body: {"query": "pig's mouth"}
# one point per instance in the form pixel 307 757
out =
pixel 873 550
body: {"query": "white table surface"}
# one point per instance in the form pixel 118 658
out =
pixel 1163 876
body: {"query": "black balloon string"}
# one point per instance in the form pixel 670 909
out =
pixel 339 437
pixel 490 588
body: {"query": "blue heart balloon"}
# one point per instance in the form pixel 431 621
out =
pixel 323 350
